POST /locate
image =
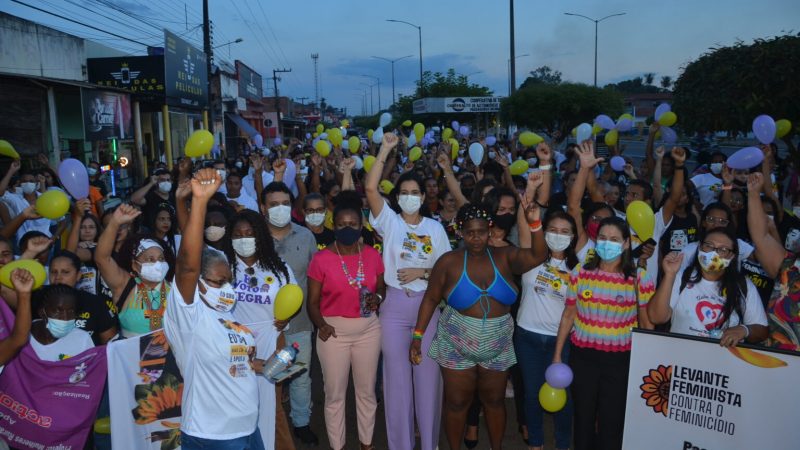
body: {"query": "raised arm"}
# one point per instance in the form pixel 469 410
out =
pixel 10 229
pixel 346 169
pixel 433 295
pixel 22 280
pixel 769 252
pixel 649 158
pixel 78 211
pixel 112 273
pixel 138 197
pixel 14 168
pixel 658 191
pixel 257 163
pixel 187 268
pixel 658 309
pixel 588 161
pixel 545 156
pixel 374 198
pixel 521 259
pixel 182 195
pixel 766 170
pixel 443 160
pixel 676 189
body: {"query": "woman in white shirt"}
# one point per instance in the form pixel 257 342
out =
pixel 214 353
pixel 711 299
pixel 55 337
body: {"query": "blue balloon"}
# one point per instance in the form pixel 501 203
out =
pixel 491 140
pixel 746 158
pixel 558 375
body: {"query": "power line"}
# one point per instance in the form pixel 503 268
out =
pixel 292 76
pixel 113 19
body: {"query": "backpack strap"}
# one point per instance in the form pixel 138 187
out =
pixel 125 292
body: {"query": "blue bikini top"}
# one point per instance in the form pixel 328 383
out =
pixel 465 293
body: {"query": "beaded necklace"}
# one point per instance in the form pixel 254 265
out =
pixel 358 281
pixel 154 303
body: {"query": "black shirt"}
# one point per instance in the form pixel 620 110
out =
pixel 152 202
pixel 96 315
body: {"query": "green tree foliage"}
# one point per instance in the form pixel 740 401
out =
pixel 559 107
pixel 542 75
pixel 637 85
pixel 666 82
pixel 724 89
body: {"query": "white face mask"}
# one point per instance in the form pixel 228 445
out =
pixel 165 186
pixel 28 187
pixel 280 215
pixel 716 168
pixel 531 162
pixel 222 174
pixel 239 164
pixel 772 218
pixel 410 204
pixel 244 247
pixel 557 242
pixel 221 299
pixel 492 155
pixel 315 219
pixel 214 233
pixel 154 272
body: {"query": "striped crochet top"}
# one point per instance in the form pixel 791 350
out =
pixel 607 307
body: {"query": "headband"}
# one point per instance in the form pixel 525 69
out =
pixel 473 212
pixel 146 244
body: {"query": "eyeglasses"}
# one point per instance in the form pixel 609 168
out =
pixel 252 281
pixel 724 252
pixel 318 211
pixel 717 221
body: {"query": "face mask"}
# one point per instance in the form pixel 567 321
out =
pixel 504 221
pixel 239 164
pixel 214 233
pixel 531 162
pixel 222 174
pixel 772 218
pixel 154 272
pixel 165 186
pixel 302 163
pixel 59 328
pixel 347 235
pixel 592 229
pixel 91 171
pixel 608 250
pixel 18 190
pixel 492 155
pixel 557 242
pixel 221 299
pixel 712 262
pixel 244 247
pixel 28 187
pixel 716 168
pixel 315 219
pixel 410 204
pixel 280 215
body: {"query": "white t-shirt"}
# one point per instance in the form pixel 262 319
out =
pixel 249 183
pixel 581 254
pixel 213 352
pixel 245 200
pixel 16 204
pixel 698 308
pixel 544 291
pixel 74 343
pixel 408 246
pixel 690 252
pixel 708 187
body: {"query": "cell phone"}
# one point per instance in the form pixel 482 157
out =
pixel 294 369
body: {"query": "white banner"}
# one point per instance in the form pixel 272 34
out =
pixel 687 393
pixel 471 104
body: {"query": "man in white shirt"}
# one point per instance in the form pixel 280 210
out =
pixel 235 194
pixel 18 202
pixel 709 185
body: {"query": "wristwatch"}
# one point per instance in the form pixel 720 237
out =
pixel 426 274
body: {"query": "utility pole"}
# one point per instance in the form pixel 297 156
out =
pixel 209 55
pixel 315 57
pixel 275 79
pixel 512 58
pixel 303 103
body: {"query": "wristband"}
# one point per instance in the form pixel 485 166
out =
pixel 727 187
pixel 535 229
pixel 417 335
pixel 535 223
pixel 746 331
pixel 546 167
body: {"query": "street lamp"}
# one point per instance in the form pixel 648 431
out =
pixel 228 44
pixel 371 104
pixel 394 99
pixel 378 80
pixel 471 74
pixel 419 28
pixel 596 21
pixel 510 78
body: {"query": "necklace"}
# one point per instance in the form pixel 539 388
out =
pixel 153 302
pixel 358 281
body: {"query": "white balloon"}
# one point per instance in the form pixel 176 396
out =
pixel 584 132
pixel 359 162
pixel 412 140
pixel 385 119
pixel 377 136
pixel 345 145
pixel 476 153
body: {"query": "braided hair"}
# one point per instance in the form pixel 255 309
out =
pixel 472 211
pixel 265 248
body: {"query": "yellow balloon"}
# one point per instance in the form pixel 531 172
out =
pixel 454 147
pixel 641 218
pixel 596 129
pixel 529 138
pixel 32 266
pixel 552 399
pixel 320 128
pixel 6 149
pixel 52 204
pixel 386 186
pixel 335 136
pixel 625 116
pixel 519 167
pixel 369 134
pixel 102 425
pixel 368 162
pixel 323 148
pixel 447 134
pixel 199 143
pixel 575 132
pixel 354 143
pixel 345 123
pixel 611 138
pixel 782 128
pixel 419 131
pixel 406 123
pixel 415 154
pixel 315 134
pixel 288 301
pixel 668 119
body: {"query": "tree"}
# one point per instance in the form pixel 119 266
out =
pixel 542 75
pixel 666 82
pixel 648 78
pixel 559 107
pixel 633 86
pixel 724 89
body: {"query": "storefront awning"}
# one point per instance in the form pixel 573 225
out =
pixel 242 124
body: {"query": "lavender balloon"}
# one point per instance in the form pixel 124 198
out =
pixel 604 121
pixel 491 140
pixel 558 375
pixel 624 125
pixel 618 164
pixel 463 130
pixel 746 158
pixel 258 140
pixel 290 173
pixel 661 109
pixel 308 135
pixel 454 124
pixel 668 135
pixel 74 178
pixel 764 128
pixel 277 141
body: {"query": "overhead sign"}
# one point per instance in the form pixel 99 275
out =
pixel 106 115
pixel 250 84
pixel 143 75
pixel 690 393
pixel 457 105
pixel 185 72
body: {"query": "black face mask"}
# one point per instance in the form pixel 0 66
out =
pixel 504 221
pixel 347 235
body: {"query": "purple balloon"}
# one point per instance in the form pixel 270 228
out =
pixel 624 125
pixel 308 135
pixel 454 124
pixel 668 135
pixel 463 130
pixel 290 173
pixel 604 121
pixel 764 128
pixel 661 109
pixel 491 140
pixel 746 158
pixel 277 141
pixel 558 375
pixel 74 178
pixel 617 163
pixel 258 140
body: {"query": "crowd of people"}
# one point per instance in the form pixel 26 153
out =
pixel 441 282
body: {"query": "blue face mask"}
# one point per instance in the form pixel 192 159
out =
pixel 608 250
pixel 59 328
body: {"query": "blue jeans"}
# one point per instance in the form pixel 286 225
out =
pixel 534 355
pixel 252 442
pixel 300 386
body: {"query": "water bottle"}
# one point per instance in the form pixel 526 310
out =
pixel 363 294
pixel 281 360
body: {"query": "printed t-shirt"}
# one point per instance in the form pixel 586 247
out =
pixel 789 230
pixel 338 297
pixel 245 201
pixel 708 187
pixel 213 353
pixel 324 239
pixel 95 314
pixel 697 310
pixel 408 246
pixel 74 343
pixel 544 292
pixel 763 283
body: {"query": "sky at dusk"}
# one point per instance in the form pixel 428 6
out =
pixel 470 36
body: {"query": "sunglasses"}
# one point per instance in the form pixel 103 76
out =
pixel 252 281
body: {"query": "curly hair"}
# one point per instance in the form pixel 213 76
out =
pixel 52 293
pixel 127 253
pixel 472 211
pixel 268 258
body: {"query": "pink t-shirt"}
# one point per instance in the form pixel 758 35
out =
pixel 338 298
